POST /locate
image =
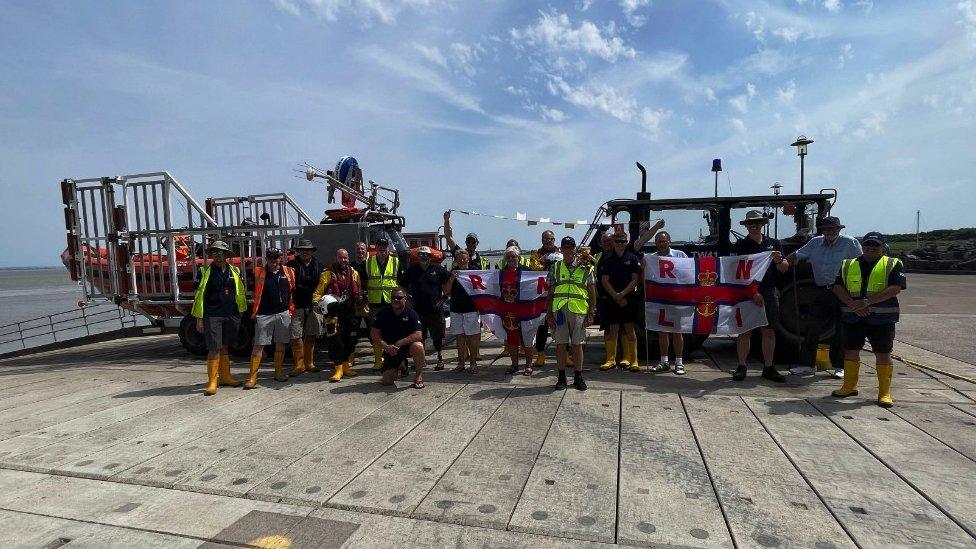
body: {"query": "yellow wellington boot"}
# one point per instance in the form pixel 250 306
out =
pixel 884 384
pixel 849 388
pixel 212 366
pixel 610 346
pixel 625 358
pixel 224 377
pixel 252 375
pixel 310 357
pixel 337 373
pixel 347 369
pixel 279 361
pixel 297 353
pixel 631 345
pixel 540 359
pixel 377 358
pixel 569 359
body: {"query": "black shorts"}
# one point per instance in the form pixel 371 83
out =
pixel 615 314
pixel 881 336
pixel 393 362
pixel 220 331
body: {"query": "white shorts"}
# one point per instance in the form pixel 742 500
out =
pixel 272 328
pixel 571 330
pixel 465 324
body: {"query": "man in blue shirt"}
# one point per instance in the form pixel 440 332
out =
pixel 825 254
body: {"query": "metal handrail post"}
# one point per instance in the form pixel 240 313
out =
pixel 174 282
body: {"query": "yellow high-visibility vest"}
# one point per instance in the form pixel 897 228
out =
pixel 570 287
pixel 379 285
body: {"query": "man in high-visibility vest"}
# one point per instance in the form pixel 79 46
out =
pixel 867 288
pixel 572 300
pixel 273 308
pixel 217 305
pixel 539 261
pixel 382 273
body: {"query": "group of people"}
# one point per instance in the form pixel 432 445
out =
pixel 399 307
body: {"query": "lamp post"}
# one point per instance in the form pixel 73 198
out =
pixel 801 151
pixel 716 167
pixel 776 187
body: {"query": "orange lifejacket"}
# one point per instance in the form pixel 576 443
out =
pixel 259 289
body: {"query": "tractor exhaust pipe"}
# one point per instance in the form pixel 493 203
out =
pixel 643 195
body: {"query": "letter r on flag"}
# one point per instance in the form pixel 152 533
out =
pixel 477 283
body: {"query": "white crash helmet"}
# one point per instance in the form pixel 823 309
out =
pixel 326 301
pixel 554 257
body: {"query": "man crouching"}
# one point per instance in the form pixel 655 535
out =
pixel 398 332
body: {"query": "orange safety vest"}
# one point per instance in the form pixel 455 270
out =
pixel 259 289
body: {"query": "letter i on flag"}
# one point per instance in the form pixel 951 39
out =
pixel 512 303
pixel 704 295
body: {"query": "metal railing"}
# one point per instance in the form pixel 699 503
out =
pixel 67 325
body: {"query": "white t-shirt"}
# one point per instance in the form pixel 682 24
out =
pixel 672 253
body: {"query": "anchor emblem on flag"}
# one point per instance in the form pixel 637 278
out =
pixel 510 322
pixel 707 307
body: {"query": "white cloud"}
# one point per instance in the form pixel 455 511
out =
pixel 432 54
pixel 757 25
pixel 630 8
pixel 846 54
pixel 750 90
pixel 739 103
pixel 833 6
pixel 786 95
pixel 788 34
pixel 738 124
pixel 549 113
pixel 465 56
pixel 871 125
pixel 710 95
pixel 425 78
pixel 651 119
pixel 287 6
pixel 600 97
pixel 968 9
pixel 386 11
pixel 555 33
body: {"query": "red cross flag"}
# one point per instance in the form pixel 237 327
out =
pixel 704 295
pixel 512 303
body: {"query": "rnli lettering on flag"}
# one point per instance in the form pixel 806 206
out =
pixel 704 295
pixel 512 303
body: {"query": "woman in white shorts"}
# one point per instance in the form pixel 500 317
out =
pixel 465 320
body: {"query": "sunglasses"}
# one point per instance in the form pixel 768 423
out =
pixel 399 297
pixel 423 254
pixel 553 239
pixel 619 241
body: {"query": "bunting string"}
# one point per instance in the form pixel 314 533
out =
pixel 523 218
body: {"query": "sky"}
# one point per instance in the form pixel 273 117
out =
pixel 500 107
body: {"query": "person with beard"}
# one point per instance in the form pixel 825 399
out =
pixel 539 261
pixel 342 282
pixel 424 282
pixel 397 331
pixel 306 324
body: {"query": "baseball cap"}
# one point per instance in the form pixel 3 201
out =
pixel 423 250
pixel 873 236
pixel 272 253
pixel 567 241
pixel 471 236
pixel 382 242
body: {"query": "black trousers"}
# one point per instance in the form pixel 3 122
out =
pixel 540 337
pixel 824 313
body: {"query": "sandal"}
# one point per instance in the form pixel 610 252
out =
pixel 458 369
pixel 527 372
pixel 418 384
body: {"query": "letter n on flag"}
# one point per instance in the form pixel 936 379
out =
pixel 512 303
pixel 704 295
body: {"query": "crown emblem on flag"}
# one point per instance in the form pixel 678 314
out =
pixel 509 293
pixel 707 307
pixel 707 278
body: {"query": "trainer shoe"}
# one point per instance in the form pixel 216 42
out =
pixel 740 373
pixel 660 367
pixel 679 369
pixel 802 370
pixel 838 373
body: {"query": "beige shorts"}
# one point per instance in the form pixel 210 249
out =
pixel 571 330
pixel 305 322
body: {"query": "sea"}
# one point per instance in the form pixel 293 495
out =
pixel 29 296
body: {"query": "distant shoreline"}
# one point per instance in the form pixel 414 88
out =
pixel 32 268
